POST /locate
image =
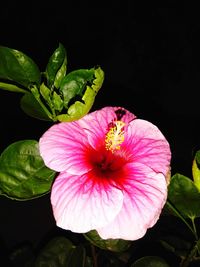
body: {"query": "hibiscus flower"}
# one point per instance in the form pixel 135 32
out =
pixel 112 173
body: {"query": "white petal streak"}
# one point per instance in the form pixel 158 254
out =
pixel 81 205
pixel 63 147
pixel 145 194
pixel 147 145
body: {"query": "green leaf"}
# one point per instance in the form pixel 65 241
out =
pixel 74 84
pixel 117 245
pixel 23 175
pixel 54 100
pixel 60 74
pixel 32 108
pixel 46 93
pixel 196 170
pixel 17 67
pixel 184 196
pixel 57 102
pixel 12 87
pixel 150 261
pixel 79 90
pixel 56 67
pixel 60 252
pixel 78 257
pixel 56 253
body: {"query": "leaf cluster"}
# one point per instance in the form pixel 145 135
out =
pixel 53 94
pixel 58 95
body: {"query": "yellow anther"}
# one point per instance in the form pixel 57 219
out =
pixel 115 136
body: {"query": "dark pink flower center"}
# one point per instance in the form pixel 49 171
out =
pixel 107 166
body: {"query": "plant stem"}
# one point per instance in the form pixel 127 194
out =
pixel 94 256
pixel 12 88
pixel 189 258
pixel 194 227
pixel 192 253
pixel 36 94
pixel 182 218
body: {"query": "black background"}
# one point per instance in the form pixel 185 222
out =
pixel 150 55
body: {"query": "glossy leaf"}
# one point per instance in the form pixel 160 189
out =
pixel 17 67
pixel 23 175
pixel 12 87
pixel 32 108
pixel 56 67
pixel 53 100
pixel 196 170
pixel 60 74
pixel 56 253
pixel 78 257
pixel 117 245
pixel 57 102
pixel 60 252
pixel 45 92
pixel 79 90
pixel 74 84
pixel 150 261
pixel 184 196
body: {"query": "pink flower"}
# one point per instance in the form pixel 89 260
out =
pixel 112 173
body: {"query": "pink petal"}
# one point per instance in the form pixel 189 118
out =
pixel 64 145
pixel 80 205
pixel 146 144
pixel 63 148
pixel 96 124
pixel 145 194
pixel 137 192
